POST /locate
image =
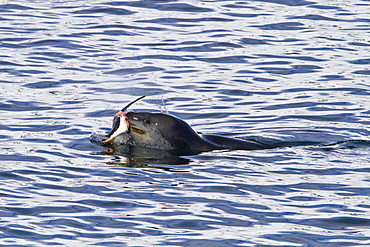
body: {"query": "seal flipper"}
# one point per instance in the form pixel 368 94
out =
pixel 233 144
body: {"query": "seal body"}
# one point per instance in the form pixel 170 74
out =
pixel 158 130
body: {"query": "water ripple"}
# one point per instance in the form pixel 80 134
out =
pixel 290 73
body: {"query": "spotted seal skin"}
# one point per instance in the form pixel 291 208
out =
pixel 162 131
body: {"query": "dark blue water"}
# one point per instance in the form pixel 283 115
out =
pixel 292 73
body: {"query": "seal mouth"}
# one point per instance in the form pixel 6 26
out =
pixel 137 130
pixel 121 123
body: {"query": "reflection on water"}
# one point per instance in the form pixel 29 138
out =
pixel 291 73
pixel 136 156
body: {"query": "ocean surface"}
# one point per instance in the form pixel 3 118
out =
pixel 295 73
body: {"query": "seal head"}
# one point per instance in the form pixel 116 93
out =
pixel 158 130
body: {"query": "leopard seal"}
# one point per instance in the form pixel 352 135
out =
pixel 158 130
pixel 163 131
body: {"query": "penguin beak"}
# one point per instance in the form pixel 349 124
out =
pixel 120 125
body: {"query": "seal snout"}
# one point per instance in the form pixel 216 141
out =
pixel 137 130
pixel 120 122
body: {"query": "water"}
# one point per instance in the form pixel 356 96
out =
pixel 290 72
